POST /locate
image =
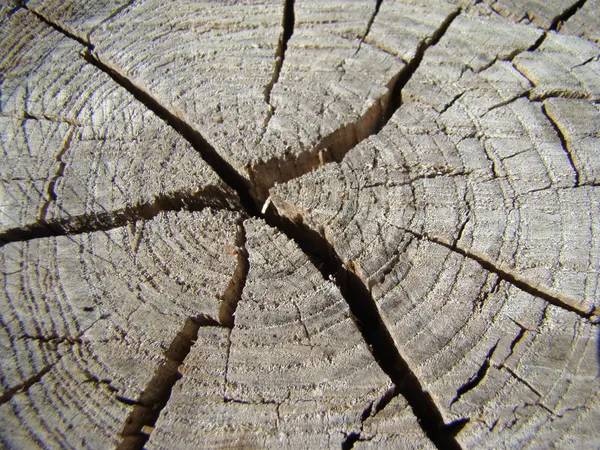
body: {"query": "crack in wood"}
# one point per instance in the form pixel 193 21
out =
pixel 365 313
pixel 287 24
pixel 563 142
pixel 592 313
pixel 209 197
pixel 369 25
pixel 58 27
pixel 477 378
pixel 157 393
pixel 233 292
pixel 335 146
pixel 50 191
pixel 22 387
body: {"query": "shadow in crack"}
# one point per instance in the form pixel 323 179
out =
pixel 598 351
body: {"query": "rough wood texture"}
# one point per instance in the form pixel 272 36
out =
pixel 72 159
pixel 298 224
pixel 90 322
pixel 293 371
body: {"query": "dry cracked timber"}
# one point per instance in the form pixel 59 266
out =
pixel 300 224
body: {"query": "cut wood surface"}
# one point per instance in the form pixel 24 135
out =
pixel 300 224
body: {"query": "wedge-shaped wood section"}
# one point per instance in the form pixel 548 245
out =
pixel 242 78
pixel 79 152
pixel 294 371
pixel 470 218
pixel 564 66
pixel 93 325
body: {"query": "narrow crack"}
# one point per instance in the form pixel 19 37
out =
pixel 50 192
pixel 365 314
pixel 147 408
pixel 563 142
pixel 233 292
pixel 477 378
pixel 42 117
pixel 58 27
pixel 369 25
pixel 592 314
pixel 287 24
pixel 210 196
pixel 223 168
pixel 22 387
pixel 557 23
pixel 337 144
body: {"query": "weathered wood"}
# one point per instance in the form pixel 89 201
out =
pixel 421 270
pixel 451 215
pixel 89 321
pixel 293 371
pixel 71 159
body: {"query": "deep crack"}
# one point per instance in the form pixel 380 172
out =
pixel 210 196
pixel 157 393
pixel 593 313
pixel 365 314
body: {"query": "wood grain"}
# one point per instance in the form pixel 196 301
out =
pixel 292 224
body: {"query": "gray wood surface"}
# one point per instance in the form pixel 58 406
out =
pixel 300 224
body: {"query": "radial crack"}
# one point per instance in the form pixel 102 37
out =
pixel 287 24
pixel 338 143
pixel 366 315
pixel 477 378
pixel 9 394
pixel 210 196
pixel 233 292
pixel 564 144
pixel 58 27
pixel 369 24
pixel 50 192
pixel 151 402
pixel 569 304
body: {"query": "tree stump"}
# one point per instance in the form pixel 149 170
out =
pixel 300 224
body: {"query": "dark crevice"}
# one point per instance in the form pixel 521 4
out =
pixel 288 30
pixel 22 387
pixel 365 314
pixel 557 23
pixel 223 168
pixel 148 407
pixel 516 340
pixel 477 378
pixel 211 196
pixel 233 292
pixel 335 146
pixel 50 192
pixel 593 313
pixel 58 27
pixel 566 15
pixel 287 25
pixel 350 440
pixel 369 24
pixel 563 143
